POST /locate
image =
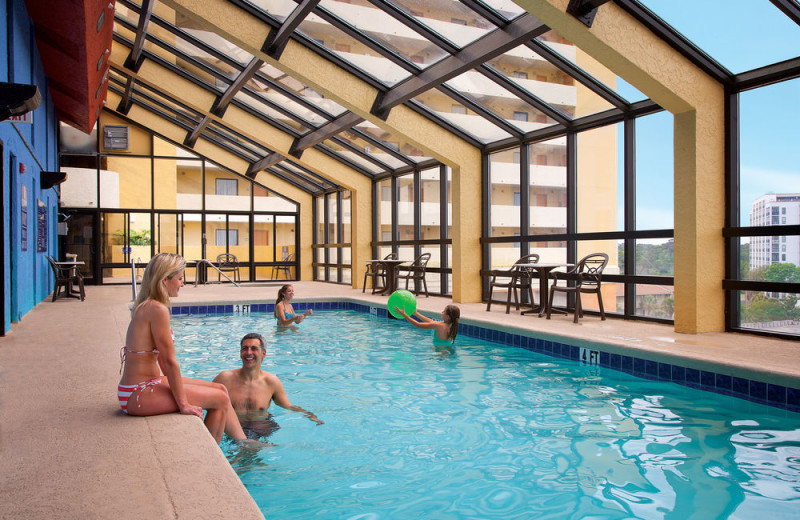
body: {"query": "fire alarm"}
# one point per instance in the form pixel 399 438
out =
pixel 21 168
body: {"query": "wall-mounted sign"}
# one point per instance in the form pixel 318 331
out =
pixel 23 218
pixel 41 227
pixel 27 117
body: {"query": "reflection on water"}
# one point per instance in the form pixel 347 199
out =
pixel 490 431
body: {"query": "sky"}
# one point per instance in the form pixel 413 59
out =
pixel 741 35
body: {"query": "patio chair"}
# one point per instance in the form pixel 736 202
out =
pixel 416 272
pixel 228 263
pixel 285 269
pixel 512 280
pixel 377 271
pixel 66 276
pixel 589 272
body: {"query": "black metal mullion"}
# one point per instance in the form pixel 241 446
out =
pixel 524 198
pixel 572 203
pixel 339 234
pixel 417 187
pixel 486 220
pixel 443 225
pixel 409 21
pixel 732 203
pixel 629 198
pixel 501 79
pixel 481 110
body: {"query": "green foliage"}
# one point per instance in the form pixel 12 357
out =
pixel 135 238
pixel 652 259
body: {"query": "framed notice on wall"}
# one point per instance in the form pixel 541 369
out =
pixel 23 218
pixel 41 227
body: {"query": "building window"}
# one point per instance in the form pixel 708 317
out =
pixel 458 21
pixel 520 116
pixel 227 187
pixel 516 157
pixel 459 109
pixel 232 235
pixel 516 198
pixel 518 74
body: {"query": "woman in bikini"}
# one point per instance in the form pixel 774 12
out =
pixel 284 312
pixel 444 332
pixel 149 350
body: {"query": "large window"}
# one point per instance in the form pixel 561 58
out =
pixel 332 248
pixel 764 242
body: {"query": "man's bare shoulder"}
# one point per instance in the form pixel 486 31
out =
pixel 269 378
pixel 225 376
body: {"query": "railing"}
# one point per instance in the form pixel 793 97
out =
pixel 133 278
pixel 208 262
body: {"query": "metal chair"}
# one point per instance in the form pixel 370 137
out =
pixel 227 262
pixel 375 271
pixel 66 276
pixel 512 280
pixel 286 269
pixel 589 272
pixel 416 272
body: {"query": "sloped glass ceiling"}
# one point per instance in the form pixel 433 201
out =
pixel 541 85
pixel 740 34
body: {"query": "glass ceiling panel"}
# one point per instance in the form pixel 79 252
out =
pixel 300 172
pixel 372 150
pixel 388 31
pixel 268 112
pixel 601 73
pixel 541 78
pixel 350 49
pixel 500 101
pixel 122 11
pixel 201 57
pixel 461 117
pixel 507 8
pixel 452 20
pixel 740 34
pixel 222 45
pixel 219 132
pixel 391 141
pixel 353 157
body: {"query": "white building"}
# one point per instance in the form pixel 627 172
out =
pixel 775 210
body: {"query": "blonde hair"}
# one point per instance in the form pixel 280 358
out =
pixel 161 267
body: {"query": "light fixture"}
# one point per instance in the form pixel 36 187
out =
pixel 17 99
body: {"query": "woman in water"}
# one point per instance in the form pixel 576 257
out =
pixel 284 312
pixel 444 332
pixel 149 350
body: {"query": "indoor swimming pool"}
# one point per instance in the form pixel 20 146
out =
pixel 489 431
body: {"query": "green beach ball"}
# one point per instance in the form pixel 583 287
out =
pixel 403 299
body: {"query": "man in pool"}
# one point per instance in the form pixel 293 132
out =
pixel 251 390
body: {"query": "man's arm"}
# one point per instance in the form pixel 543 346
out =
pixel 280 398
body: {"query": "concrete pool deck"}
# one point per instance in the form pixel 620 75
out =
pixel 68 452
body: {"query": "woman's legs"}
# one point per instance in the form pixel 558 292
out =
pixel 232 426
pixel 212 397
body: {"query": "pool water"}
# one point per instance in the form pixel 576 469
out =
pixel 490 431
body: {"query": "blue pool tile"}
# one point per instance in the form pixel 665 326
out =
pixel 678 374
pixel 638 365
pixel 723 382
pixel 665 371
pixel 604 359
pixel 776 394
pixel 651 367
pixel 740 385
pixel 792 397
pixel 692 376
pixel 615 361
pixel 758 390
pixel 626 363
pixel 574 352
pixel 707 378
pixel 193 309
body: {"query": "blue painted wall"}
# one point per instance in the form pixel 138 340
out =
pixel 27 274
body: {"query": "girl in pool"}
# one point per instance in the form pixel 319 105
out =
pixel 444 332
pixel 149 349
pixel 284 312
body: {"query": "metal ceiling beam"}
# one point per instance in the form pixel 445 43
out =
pixel 676 40
pixel 322 181
pixel 341 123
pixel 222 102
pixel 533 100
pixel 136 57
pixel 790 8
pixel 578 74
pixel 277 39
pixel 481 110
pixel 767 75
pixel 486 12
pixel 191 139
pixel 411 22
pixel 126 102
pixel 266 162
pixel 523 28
pixel 584 10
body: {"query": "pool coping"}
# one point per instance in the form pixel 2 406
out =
pixel 748 383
